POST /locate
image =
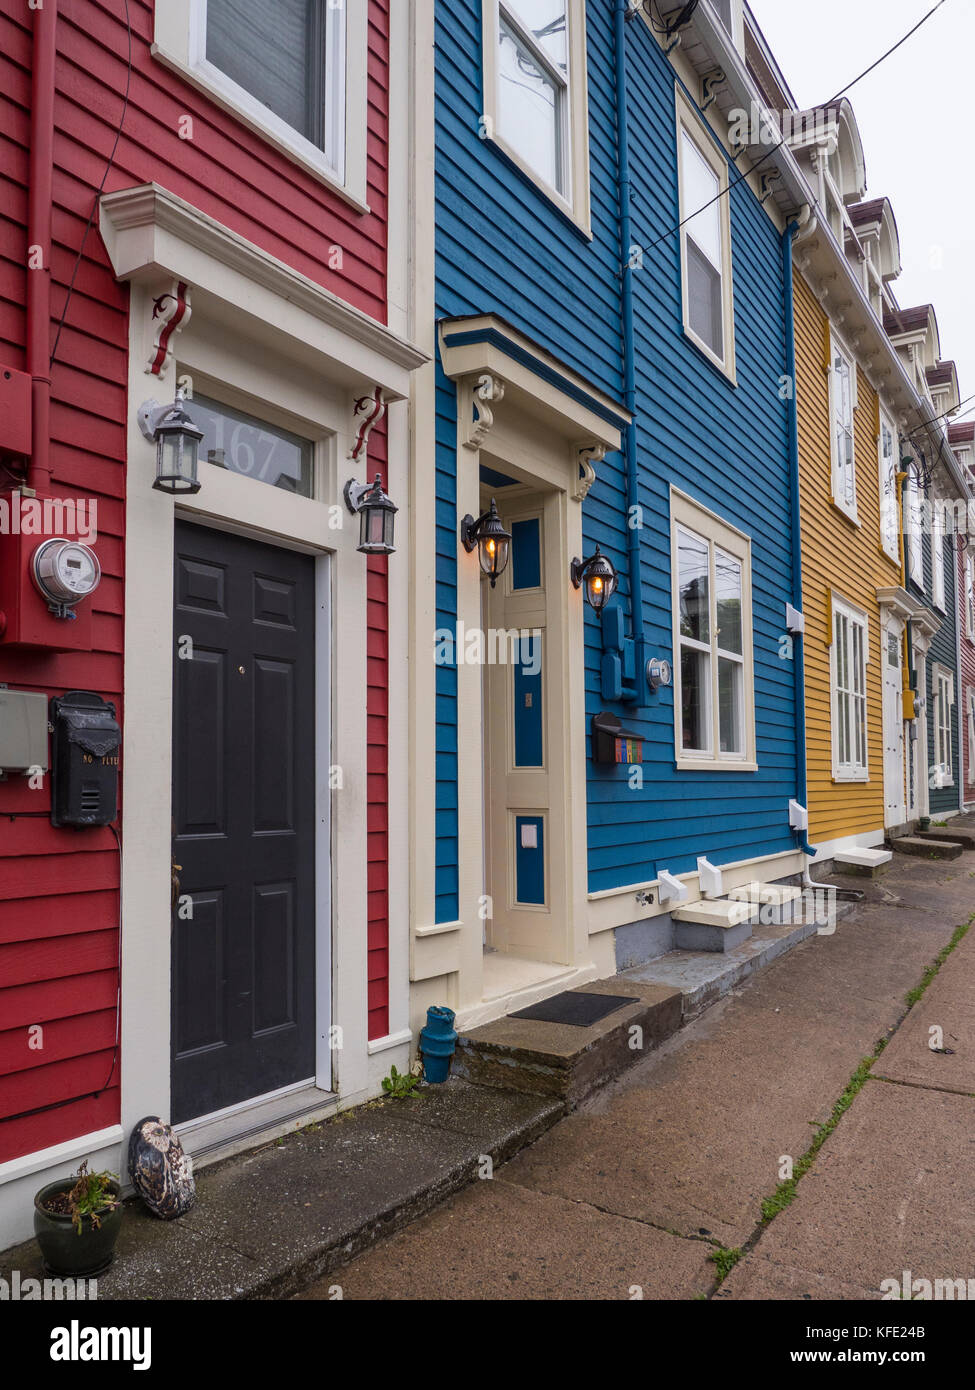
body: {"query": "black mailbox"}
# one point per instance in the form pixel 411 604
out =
pixel 84 759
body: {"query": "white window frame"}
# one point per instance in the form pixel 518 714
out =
pixel 691 124
pixel 843 667
pixel 937 557
pixel 837 348
pixel 736 28
pixel 971 737
pixel 970 596
pixel 704 525
pixel 943 694
pixel 915 535
pixel 889 510
pixel 180 43
pixel 575 202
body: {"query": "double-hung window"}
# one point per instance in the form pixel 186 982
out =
pixel 535 94
pixel 887 446
pixel 843 401
pixel 705 240
pixel 937 557
pixel 712 640
pixel 914 521
pixel 943 689
pixel 294 70
pixel 849 656
pixel 970 596
pixel 971 737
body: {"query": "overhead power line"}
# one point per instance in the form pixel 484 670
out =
pixel 733 183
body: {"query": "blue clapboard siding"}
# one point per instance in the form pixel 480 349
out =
pixel 727 447
pixel 503 248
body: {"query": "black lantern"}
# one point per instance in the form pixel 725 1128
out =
pixel 376 514
pixel 177 440
pixel 599 576
pixel 490 538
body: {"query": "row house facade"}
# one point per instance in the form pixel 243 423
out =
pixel 196 213
pixel 877 550
pixel 554 571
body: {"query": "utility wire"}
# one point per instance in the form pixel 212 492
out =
pixel 759 162
pixel 98 194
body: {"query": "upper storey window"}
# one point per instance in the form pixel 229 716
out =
pixel 705 240
pixel 535 105
pixel 294 71
pixel 288 56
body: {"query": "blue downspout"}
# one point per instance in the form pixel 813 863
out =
pixel 802 837
pixel 629 362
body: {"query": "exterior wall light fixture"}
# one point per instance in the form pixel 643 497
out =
pixel 492 542
pixel 177 440
pixel 376 515
pixel 598 574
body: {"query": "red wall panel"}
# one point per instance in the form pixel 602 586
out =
pixel 59 889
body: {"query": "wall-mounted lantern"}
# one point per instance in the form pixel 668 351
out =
pixel 177 440
pixel 599 576
pixel 376 513
pixel 492 541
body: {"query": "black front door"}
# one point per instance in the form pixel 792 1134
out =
pixel 243 974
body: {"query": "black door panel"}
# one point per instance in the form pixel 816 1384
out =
pixel 243 1015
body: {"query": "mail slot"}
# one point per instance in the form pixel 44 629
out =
pixel 85 760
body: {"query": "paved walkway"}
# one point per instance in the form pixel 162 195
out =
pixel 659 1183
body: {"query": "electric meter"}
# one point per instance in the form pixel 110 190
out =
pixel 65 572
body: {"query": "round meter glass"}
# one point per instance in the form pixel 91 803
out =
pixel 66 571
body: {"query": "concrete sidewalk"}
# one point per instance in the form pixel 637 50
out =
pixel 656 1186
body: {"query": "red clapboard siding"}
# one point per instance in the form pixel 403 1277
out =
pixel 22 1049
pixel 59 889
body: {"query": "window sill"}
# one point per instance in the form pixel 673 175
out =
pixel 685 764
pixel 841 779
pixel 578 219
pixel 726 369
pixel 851 517
pixel 290 142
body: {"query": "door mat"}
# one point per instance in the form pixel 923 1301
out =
pixel 575 1007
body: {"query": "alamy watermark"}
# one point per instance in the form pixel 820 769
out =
pixel 70 517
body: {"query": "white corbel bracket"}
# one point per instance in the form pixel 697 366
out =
pixel 588 455
pixel 171 312
pixel 485 391
pixel 366 412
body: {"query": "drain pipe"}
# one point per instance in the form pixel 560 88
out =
pixel 807 224
pixel 39 200
pixel 624 12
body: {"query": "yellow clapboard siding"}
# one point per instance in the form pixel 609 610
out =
pixel 837 555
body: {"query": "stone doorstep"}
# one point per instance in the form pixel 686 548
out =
pixel 927 848
pixel 965 838
pixel 869 862
pixel 561 1060
pixel 271 1220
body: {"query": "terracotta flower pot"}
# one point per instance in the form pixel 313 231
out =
pixel 67 1251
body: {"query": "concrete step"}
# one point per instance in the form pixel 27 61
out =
pixel 777 902
pixel 965 838
pixel 567 1062
pixel 704 977
pixel 927 848
pixel 718 925
pixel 866 863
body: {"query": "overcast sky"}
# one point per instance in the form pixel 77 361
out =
pixel 915 117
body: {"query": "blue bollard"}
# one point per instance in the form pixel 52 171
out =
pixel 437 1042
